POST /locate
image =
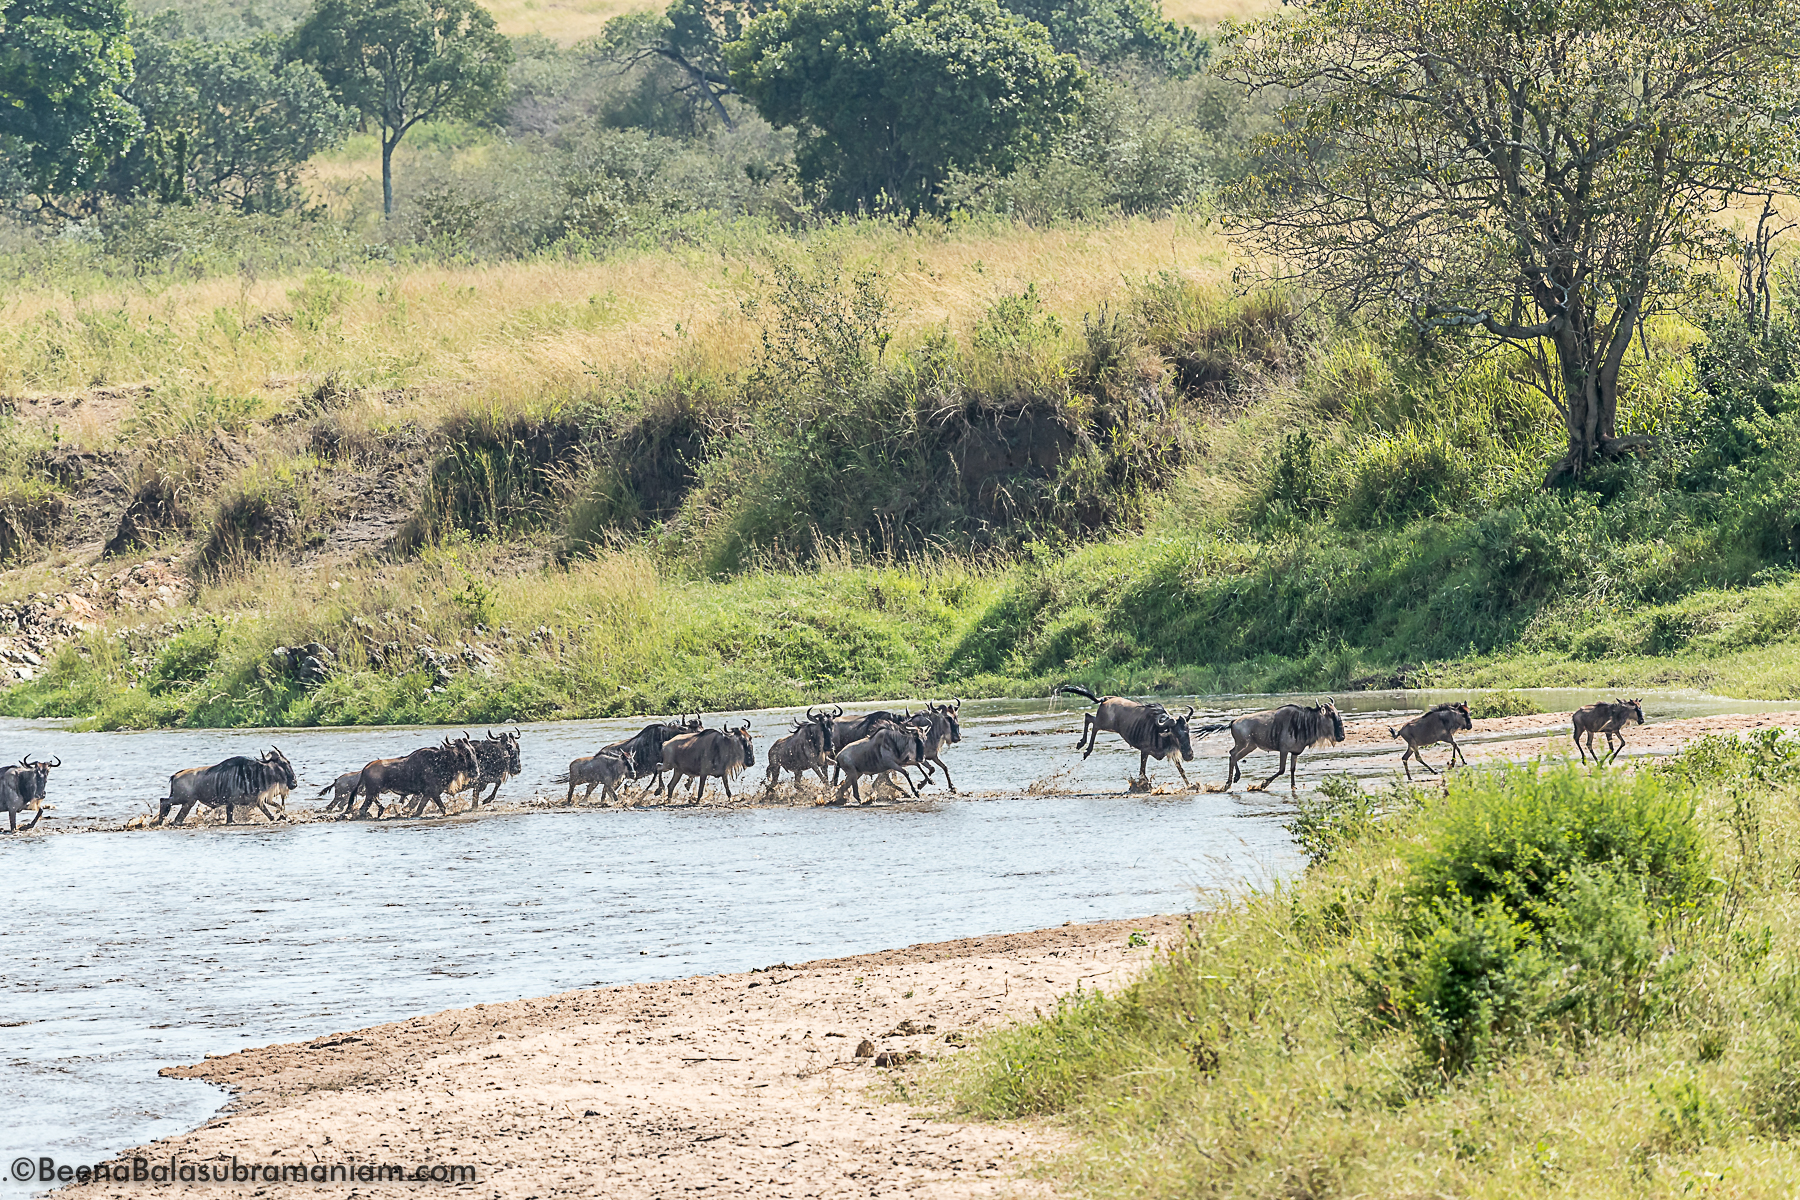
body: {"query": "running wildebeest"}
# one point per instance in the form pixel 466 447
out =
pixel 604 770
pixel 1608 719
pixel 22 789
pixel 340 790
pixel 706 754
pixel 498 759
pixel 1286 730
pixel 845 730
pixel 888 749
pixel 646 746
pixel 1437 724
pixel 1150 729
pixel 806 747
pixel 252 782
pixel 428 773
pixel 938 725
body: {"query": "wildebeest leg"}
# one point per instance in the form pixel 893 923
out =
pixel 947 783
pixel 1456 752
pixel 725 782
pixel 1293 770
pixel 1407 755
pixel 1279 771
pixel 1620 746
pixel 1179 771
pixel 12 820
pixel 38 816
pixel 228 809
pixel 1144 764
pixel 185 809
pixel 700 791
pixel 1087 726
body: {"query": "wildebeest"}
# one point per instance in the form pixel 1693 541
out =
pixel 646 746
pixel 341 790
pixel 1437 724
pixel 1286 730
pixel 807 747
pixel 252 782
pixel 1608 719
pixel 706 754
pixel 428 773
pixel 939 726
pixel 845 730
pixel 604 770
pixel 498 759
pixel 888 749
pixel 22 788
pixel 1150 729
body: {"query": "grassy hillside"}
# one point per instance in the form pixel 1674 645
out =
pixel 864 460
pixel 1543 983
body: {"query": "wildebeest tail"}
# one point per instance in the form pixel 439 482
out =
pixel 1393 734
pixel 1203 730
pixel 563 778
pixel 1078 690
pixel 326 790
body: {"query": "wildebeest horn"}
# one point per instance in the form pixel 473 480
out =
pixel 26 761
pixel 838 711
pixel 1189 712
pixel 57 761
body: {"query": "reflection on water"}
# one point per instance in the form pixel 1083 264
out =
pixel 129 951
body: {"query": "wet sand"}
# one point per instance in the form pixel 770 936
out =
pixel 733 1085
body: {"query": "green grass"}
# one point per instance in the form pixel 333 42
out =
pixel 1600 1003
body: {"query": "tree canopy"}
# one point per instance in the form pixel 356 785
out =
pixel 399 62
pixel 1105 32
pixel 64 65
pixel 887 96
pixel 248 120
pixel 1539 173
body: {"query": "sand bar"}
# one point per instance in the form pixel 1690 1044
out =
pixel 723 1085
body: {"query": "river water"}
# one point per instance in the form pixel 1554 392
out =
pixel 128 951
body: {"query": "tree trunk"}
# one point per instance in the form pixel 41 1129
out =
pixel 1590 385
pixel 387 174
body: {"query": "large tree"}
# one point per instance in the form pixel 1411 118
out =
pixel 245 120
pixel 889 95
pixel 399 62
pixel 691 35
pixel 64 65
pixel 1544 173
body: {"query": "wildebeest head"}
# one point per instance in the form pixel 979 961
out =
pixel 1636 707
pixel 948 712
pixel 283 768
pixel 742 734
pixel 1461 709
pixel 820 723
pixel 1176 729
pixel 1328 711
pixel 692 724
pixel 30 781
pixel 510 741
pixel 463 756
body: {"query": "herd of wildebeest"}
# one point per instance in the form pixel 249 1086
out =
pixel 877 745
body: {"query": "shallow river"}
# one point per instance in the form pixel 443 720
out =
pixel 128 951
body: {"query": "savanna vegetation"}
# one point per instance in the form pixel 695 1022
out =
pixel 1540 982
pixel 628 373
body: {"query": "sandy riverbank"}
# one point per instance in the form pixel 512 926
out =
pixel 726 1085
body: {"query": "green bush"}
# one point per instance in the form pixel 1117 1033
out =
pixel 1518 834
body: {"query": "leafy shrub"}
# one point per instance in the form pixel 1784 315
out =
pixel 1503 704
pixel 1466 980
pixel 1535 897
pixel 1339 813
pixel 1518 833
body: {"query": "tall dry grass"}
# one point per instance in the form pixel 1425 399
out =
pixel 513 334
